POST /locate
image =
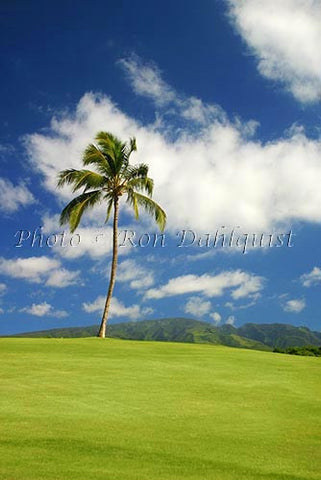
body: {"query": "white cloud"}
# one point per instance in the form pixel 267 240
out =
pixel 95 306
pixel 133 274
pixel 32 269
pixel 42 269
pixel 285 36
pixel 231 320
pixel 117 308
pixel 146 80
pixel 3 288
pixel 44 309
pixel 312 278
pixel 6 149
pixel 295 305
pixel 197 306
pixel 253 301
pixel 59 314
pixel 237 181
pixel 241 283
pixel 62 278
pixel 13 197
pixel 216 317
pixel 87 240
pixel 94 238
pixel 248 288
pixel 38 310
pixel 194 109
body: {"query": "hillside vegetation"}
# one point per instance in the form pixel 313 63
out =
pixel 307 351
pixel 250 335
pixel 87 409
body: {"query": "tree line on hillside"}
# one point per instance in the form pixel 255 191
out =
pixel 306 351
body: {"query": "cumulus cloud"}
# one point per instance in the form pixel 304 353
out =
pixel 44 309
pixel 39 309
pixel 244 306
pixel 197 306
pixel 45 270
pixel 95 306
pixel 294 305
pixel 285 36
pixel 248 288
pixel 62 278
pixel 146 80
pixel 241 284
pixel 236 180
pixel 32 268
pixel 117 308
pixel 6 149
pixel 93 238
pixel 312 278
pixel 87 240
pixel 216 317
pixel 231 320
pixel 13 197
pixel 135 275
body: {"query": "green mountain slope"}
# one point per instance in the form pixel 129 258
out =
pixel 278 335
pixel 250 335
pixel 182 330
pixel 67 332
pixel 165 330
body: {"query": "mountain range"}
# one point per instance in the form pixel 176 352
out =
pixel 250 335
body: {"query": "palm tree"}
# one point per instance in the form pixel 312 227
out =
pixel 113 178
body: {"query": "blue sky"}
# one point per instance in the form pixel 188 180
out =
pixel 224 100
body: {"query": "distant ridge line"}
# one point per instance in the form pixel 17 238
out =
pixel 186 330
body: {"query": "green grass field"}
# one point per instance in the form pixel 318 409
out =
pixel 88 409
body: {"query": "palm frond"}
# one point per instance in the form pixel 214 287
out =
pixel 150 206
pixel 129 149
pixel 73 212
pixel 111 147
pixel 108 143
pixel 115 151
pixel 67 177
pixel 144 185
pixel 136 171
pixel 94 156
pixel 132 201
pixel 90 180
pixel 132 145
pixel 86 179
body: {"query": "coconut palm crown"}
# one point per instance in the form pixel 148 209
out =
pixel 113 177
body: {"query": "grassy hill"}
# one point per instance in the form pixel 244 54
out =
pixel 87 409
pixel 250 335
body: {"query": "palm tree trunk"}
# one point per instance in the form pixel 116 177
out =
pixel 102 329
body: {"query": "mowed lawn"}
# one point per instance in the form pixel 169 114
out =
pixel 93 409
